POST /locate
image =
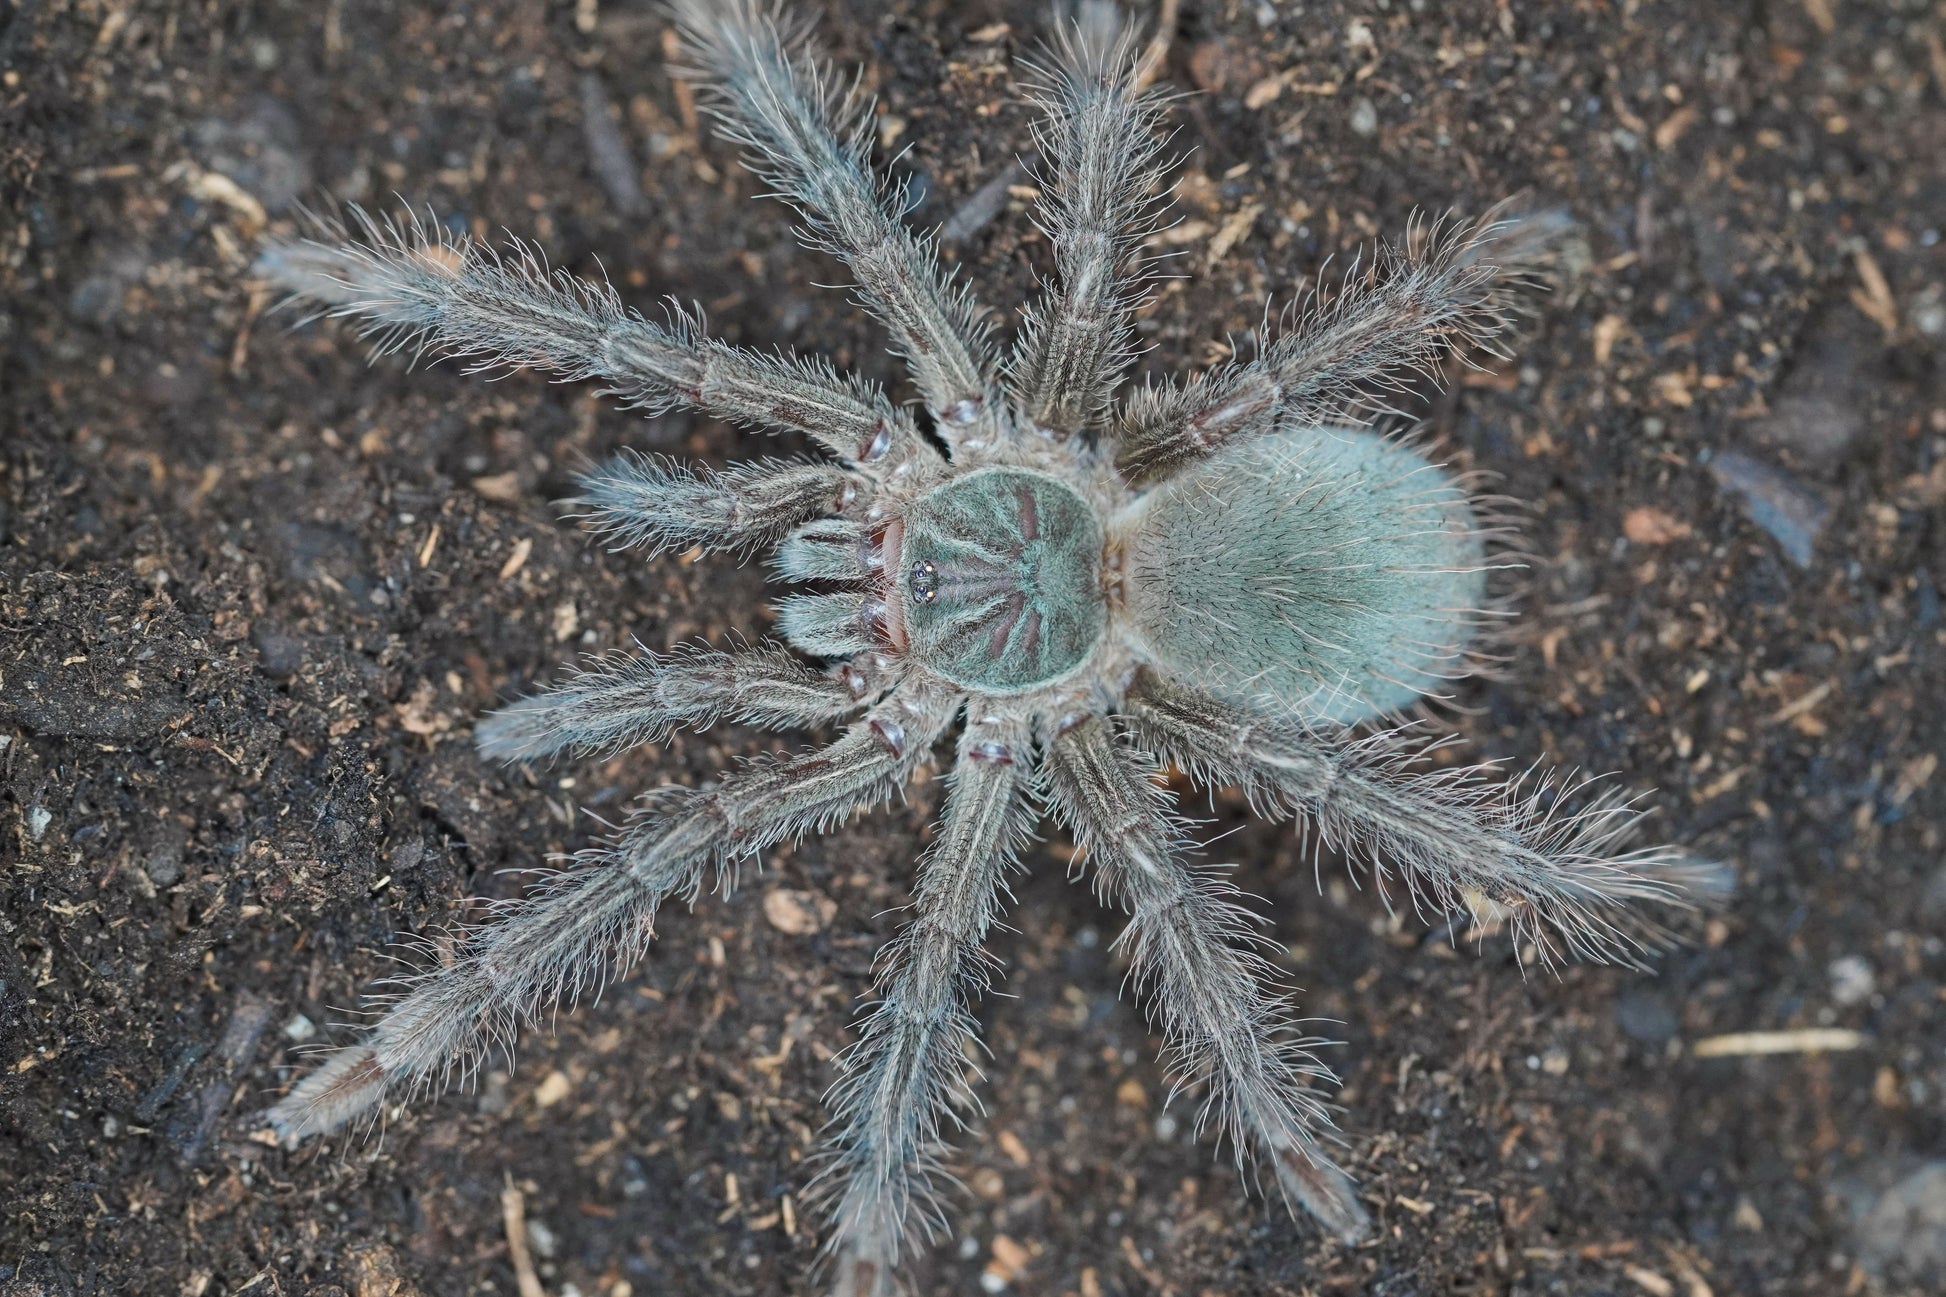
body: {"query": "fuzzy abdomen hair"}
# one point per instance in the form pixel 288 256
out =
pixel 1329 573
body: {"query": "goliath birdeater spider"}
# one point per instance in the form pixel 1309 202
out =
pixel 1233 575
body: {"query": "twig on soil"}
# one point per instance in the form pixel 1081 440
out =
pixel 1157 52
pixel 240 349
pixel 1809 1040
pixel 513 1215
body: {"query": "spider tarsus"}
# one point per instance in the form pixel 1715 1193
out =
pixel 1325 1192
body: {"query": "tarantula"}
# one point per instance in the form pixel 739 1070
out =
pixel 1234 575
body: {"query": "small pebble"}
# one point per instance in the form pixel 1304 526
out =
pixel 554 1088
pixel 798 913
pixel 299 1029
pixel 1852 981
pixel 1364 118
pixel 164 865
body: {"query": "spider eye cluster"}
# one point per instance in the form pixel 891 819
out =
pixel 922 583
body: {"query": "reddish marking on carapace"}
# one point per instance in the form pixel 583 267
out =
pixel 1030 518
pixel 1015 605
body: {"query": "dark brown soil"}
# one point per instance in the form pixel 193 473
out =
pixel 254 591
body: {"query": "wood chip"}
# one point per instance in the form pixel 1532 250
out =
pixel 1235 226
pixel 1009 1259
pixel 504 487
pixel 1266 90
pixel 1182 232
pixel 1649 1281
pixel 1607 330
pixel 1798 706
pixel 426 550
pixel 515 561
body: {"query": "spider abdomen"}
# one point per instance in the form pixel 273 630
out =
pixel 1330 572
pixel 999 579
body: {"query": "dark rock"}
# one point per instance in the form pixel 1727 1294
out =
pixel 98 298
pixel 282 655
pixel 1820 410
pixel 1646 1017
pixel 315 551
pixel 1792 512
pixel 613 162
pixel 1905 1229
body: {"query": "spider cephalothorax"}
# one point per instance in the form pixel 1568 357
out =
pixel 1229 575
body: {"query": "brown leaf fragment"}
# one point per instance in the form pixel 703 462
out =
pixel 1009 1259
pixel 1648 525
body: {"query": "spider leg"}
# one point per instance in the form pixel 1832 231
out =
pixel 905 1076
pixel 1459 842
pixel 419 286
pixel 1102 148
pixel 621 701
pixel 662 505
pixel 1401 314
pixel 811 138
pixel 585 925
pixel 1185 936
